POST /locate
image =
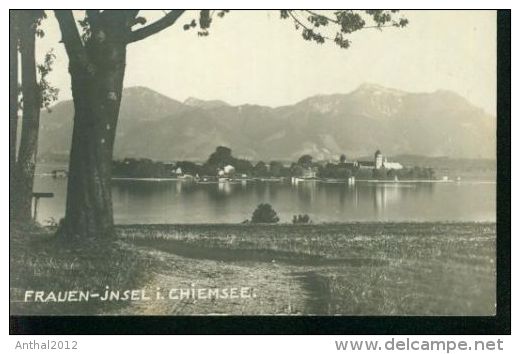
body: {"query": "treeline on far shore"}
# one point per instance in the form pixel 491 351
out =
pixel 222 163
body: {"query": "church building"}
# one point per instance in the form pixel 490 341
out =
pixel 379 162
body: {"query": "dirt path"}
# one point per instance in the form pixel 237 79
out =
pixel 276 291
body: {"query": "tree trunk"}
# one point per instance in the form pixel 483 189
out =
pixel 97 68
pixel 13 103
pixel 25 165
pixel 96 91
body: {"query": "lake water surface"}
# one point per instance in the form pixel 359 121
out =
pixel 169 201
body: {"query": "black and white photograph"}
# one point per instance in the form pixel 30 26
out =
pixel 289 163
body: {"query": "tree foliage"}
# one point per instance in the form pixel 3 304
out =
pixel 48 93
pixel 318 26
pixel 260 169
pixel 301 219
pixel 204 21
pixel 264 214
pixel 222 157
pixel 335 26
pixel 141 168
pixel 305 160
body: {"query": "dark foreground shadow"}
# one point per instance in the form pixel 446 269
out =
pixel 185 249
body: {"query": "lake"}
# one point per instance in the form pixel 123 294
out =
pixel 170 201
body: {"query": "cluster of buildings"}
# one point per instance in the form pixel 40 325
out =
pixel 311 172
pixel 227 171
pixel 378 163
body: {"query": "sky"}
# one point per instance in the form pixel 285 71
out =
pixel 257 58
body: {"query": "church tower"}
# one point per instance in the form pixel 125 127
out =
pixel 378 160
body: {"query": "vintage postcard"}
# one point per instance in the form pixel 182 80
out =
pixel 266 162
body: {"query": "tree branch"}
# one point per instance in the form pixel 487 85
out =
pixel 92 15
pixel 336 21
pixel 153 28
pixel 314 34
pixel 297 20
pixel 71 38
pixel 322 16
pixel 301 24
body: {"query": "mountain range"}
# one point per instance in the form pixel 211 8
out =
pixel 441 123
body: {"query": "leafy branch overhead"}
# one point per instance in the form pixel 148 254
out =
pixel 336 25
pixel 204 21
pixel 319 26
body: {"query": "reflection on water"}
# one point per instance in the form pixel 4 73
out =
pixel 387 196
pixel 187 202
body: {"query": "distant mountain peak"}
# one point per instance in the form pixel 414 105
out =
pixel 356 123
pixel 138 88
pixel 132 90
pixel 144 92
pixel 371 86
pixel 196 102
pixel 450 95
pixel 375 89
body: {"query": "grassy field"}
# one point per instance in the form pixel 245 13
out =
pixel 350 269
pixel 38 261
